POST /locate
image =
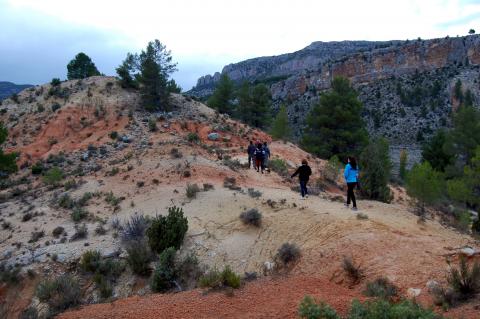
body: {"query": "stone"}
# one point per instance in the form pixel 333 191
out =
pixel 432 286
pixel 85 156
pixel 413 292
pixel 467 251
pixel 213 136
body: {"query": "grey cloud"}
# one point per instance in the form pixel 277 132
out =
pixel 35 48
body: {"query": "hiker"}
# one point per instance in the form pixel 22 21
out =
pixel 303 172
pixel 351 177
pixel 267 155
pixel 259 156
pixel 250 152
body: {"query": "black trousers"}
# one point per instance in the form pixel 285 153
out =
pixel 351 194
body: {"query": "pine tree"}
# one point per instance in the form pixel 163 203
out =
pixel 7 161
pixel 81 67
pixel 465 135
pixel 222 97
pixel 280 129
pixel 260 107
pixel 375 170
pixel 149 71
pixel 125 71
pixel 435 151
pixel 244 102
pixel 424 184
pixel 335 126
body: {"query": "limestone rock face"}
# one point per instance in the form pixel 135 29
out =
pixel 407 87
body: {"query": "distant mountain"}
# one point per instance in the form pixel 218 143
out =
pixel 9 88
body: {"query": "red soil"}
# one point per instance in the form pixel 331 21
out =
pixel 266 298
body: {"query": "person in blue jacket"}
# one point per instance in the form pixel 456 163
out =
pixel 351 177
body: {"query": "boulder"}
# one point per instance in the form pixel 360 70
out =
pixel 467 251
pixel 432 286
pixel 213 136
pixel 413 292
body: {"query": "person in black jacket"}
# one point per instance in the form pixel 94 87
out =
pixel 259 156
pixel 303 173
pixel 251 152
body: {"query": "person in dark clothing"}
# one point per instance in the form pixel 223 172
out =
pixel 251 152
pixel 267 155
pixel 259 156
pixel 351 178
pixel 303 173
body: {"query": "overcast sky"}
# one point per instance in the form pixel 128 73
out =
pixel 39 37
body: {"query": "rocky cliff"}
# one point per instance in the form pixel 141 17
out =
pixel 406 86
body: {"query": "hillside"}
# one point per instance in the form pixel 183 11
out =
pixel 9 88
pixel 140 170
pixel 399 82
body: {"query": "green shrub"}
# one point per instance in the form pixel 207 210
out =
pixel 354 271
pixel 216 279
pixel 230 278
pixel 65 201
pixel 37 168
pixel 382 288
pixel 139 256
pixel 60 293
pixel 90 261
pixel 193 137
pixel 53 176
pixel 279 166
pixel 288 253
pixel 164 274
pixel 70 184
pixel 188 271
pixel 167 231
pixel 211 279
pixel 9 274
pixel 465 281
pixel 251 217
pixel 103 285
pixel 309 309
pixel 462 220
pixel 113 135
pixel 55 107
pixel 78 214
pixel 380 309
pixel 254 193
pixel 152 124
pixel 332 168
pixel 192 190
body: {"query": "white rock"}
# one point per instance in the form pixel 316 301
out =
pixel 467 251
pixel 414 292
pixel 213 136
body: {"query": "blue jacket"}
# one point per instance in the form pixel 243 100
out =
pixel 350 174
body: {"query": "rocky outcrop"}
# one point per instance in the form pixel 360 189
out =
pixel 285 65
pixel 406 86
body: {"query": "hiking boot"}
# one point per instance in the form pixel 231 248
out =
pixel 354 209
pixel 302 197
pixel 346 205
